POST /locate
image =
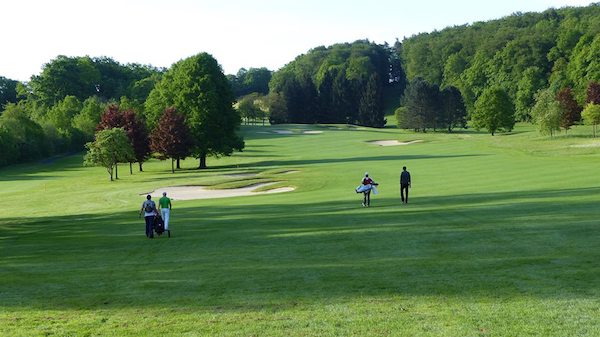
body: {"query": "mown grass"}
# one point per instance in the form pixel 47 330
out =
pixel 500 238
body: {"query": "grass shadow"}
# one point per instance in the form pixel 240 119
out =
pixel 259 255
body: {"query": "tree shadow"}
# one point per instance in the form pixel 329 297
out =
pixel 307 162
pixel 44 170
pixel 538 243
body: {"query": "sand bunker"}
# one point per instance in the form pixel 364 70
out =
pixel 241 175
pixel 289 172
pixel 312 132
pixel 283 132
pixel 202 192
pixel 393 142
pixel 587 145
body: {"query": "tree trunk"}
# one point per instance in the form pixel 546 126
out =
pixel 110 172
pixel 130 168
pixel 178 165
pixel 141 168
pixel 172 167
pixel 116 170
pixel 202 161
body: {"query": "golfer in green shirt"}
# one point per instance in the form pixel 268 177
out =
pixel 164 204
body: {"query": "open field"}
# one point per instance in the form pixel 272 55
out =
pixel 501 238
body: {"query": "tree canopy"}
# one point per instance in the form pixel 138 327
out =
pixel 110 147
pixel 197 88
pixel 494 111
pixel 523 53
pixel 171 137
pixel 253 80
pixel 546 112
pixel 343 83
pixel 83 77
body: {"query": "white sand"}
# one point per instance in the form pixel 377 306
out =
pixel 587 145
pixel 283 132
pixel 241 175
pixel 201 192
pixel 312 132
pixel 394 142
pixel 289 172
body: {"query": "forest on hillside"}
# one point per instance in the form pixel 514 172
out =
pixel 522 53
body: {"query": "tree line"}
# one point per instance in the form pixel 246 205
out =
pixel 186 120
pixel 343 83
pixel 487 75
pixel 159 114
pixel 58 110
pixel 517 57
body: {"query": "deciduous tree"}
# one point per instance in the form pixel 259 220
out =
pixel 593 93
pixel 171 137
pixel 138 136
pixel 591 116
pixel 546 113
pixel 110 147
pixel 8 91
pixel 494 111
pixel 135 128
pixel 249 109
pixel 570 109
pixel 197 88
pixel 28 136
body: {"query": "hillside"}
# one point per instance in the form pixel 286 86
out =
pixel 523 53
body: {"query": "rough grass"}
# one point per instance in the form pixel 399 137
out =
pixel 500 238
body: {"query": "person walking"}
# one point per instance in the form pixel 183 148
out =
pixel 365 188
pixel 404 185
pixel 149 210
pixel 164 204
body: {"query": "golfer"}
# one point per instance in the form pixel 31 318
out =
pixel 149 210
pixel 164 204
pixel 404 185
pixel 367 184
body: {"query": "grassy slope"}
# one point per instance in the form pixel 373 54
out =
pixel 500 239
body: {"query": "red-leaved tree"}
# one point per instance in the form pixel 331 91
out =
pixel 112 117
pixel 138 136
pixel 171 137
pixel 135 128
pixel 593 93
pixel 571 111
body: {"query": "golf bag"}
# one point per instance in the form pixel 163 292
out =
pixel 159 224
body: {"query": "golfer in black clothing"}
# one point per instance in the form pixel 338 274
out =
pixel 404 184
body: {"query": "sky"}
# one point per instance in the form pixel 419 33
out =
pixel 257 33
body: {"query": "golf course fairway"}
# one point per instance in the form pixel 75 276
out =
pixel 501 237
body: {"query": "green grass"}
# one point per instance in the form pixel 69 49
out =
pixel 501 238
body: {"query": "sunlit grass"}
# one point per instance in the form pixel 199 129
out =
pixel 500 238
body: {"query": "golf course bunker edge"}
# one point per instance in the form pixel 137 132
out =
pixel 394 142
pixel 203 192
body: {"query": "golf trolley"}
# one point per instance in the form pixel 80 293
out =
pixel 158 226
